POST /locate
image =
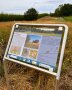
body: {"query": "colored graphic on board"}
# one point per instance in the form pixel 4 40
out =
pixel 25 52
pixel 32 41
pixel 49 48
pixel 33 54
pixel 35 49
pixel 17 43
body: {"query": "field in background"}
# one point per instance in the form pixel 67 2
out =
pixel 68 18
pixel 24 78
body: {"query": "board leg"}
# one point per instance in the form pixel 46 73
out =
pixel 56 85
pixel 6 75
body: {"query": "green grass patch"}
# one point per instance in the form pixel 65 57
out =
pixel 69 18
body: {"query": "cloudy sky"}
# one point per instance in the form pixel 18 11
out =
pixel 20 6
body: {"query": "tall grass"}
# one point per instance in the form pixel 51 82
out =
pixel 23 78
pixel 4 35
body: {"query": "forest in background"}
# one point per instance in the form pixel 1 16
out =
pixel 32 14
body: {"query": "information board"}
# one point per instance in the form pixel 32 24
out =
pixel 38 46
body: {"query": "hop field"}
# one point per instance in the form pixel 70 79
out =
pixel 24 78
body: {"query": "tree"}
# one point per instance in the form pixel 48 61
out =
pixel 31 14
pixel 58 10
pixel 64 10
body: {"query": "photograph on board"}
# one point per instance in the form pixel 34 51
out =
pixel 33 54
pixel 33 41
pixel 25 52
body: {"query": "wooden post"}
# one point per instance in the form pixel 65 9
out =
pixel 56 86
pixel 6 74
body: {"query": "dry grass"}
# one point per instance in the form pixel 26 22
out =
pixel 24 78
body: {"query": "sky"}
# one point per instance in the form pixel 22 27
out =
pixel 20 6
pixel 34 37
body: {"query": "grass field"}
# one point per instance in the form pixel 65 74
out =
pixel 24 78
pixel 68 18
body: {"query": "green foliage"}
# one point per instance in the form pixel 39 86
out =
pixel 43 15
pixel 11 17
pixel 64 10
pixel 58 10
pixel 52 14
pixel 31 14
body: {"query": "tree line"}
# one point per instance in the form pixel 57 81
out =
pixel 33 14
pixel 63 10
pixel 11 17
